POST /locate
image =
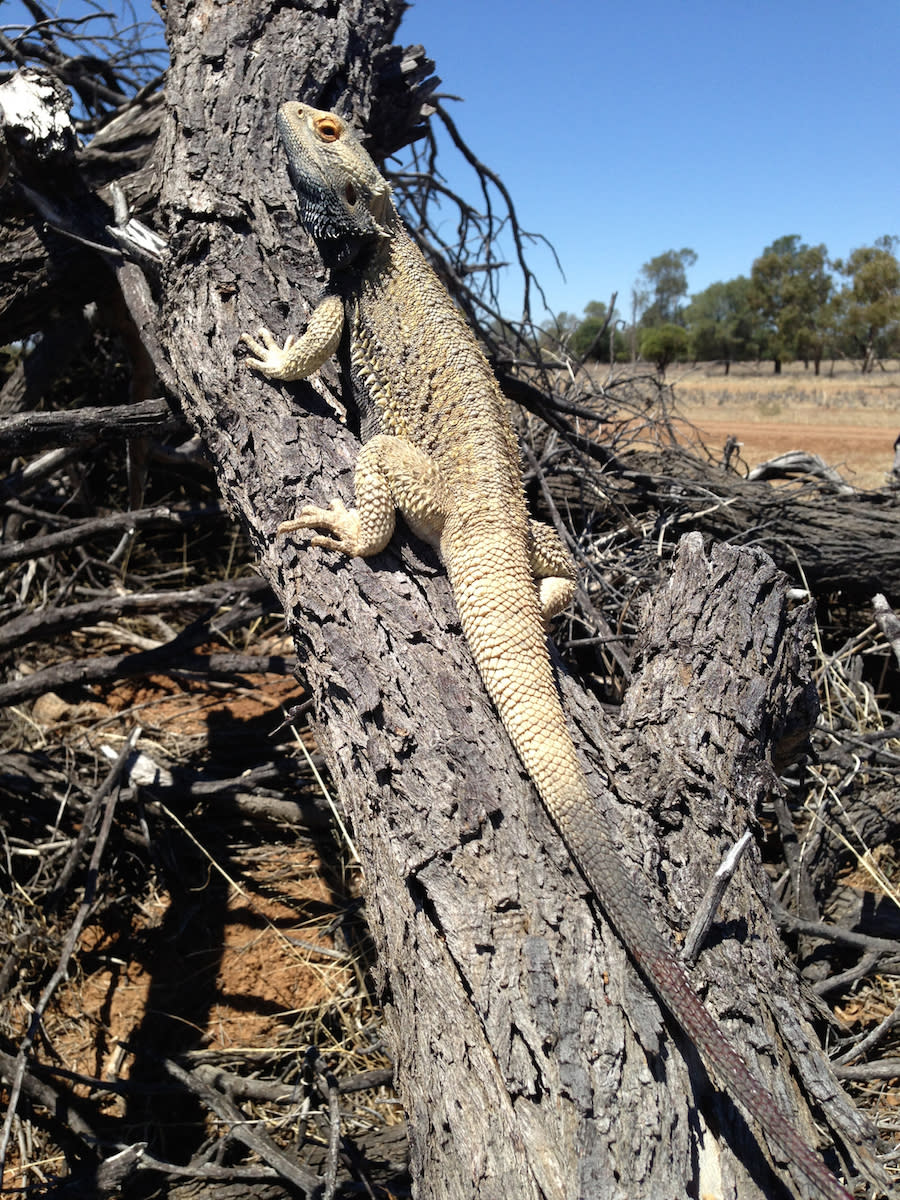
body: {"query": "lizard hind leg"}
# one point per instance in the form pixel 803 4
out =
pixel 391 474
pixel 553 568
pixel 337 519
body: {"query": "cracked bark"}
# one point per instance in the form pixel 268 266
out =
pixel 531 1058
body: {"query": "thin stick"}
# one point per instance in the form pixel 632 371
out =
pixel 329 1086
pixel 709 905
pixel 242 1129
pixel 107 788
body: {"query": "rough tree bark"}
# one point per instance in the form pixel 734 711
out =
pixel 532 1060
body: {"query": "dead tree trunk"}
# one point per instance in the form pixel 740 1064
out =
pixel 532 1059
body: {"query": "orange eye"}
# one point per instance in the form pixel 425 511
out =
pixel 328 129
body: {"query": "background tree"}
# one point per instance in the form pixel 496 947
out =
pixel 871 300
pixel 597 317
pixel 790 286
pixel 556 332
pixel 721 323
pixel 639 300
pixel 663 344
pixel 664 281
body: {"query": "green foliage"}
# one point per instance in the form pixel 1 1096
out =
pixel 663 344
pixel 598 322
pixel 664 280
pixel 789 307
pixel 577 335
pixel 870 302
pixel 790 287
pixel 596 310
pixel 720 322
pixel 596 314
pixel 584 336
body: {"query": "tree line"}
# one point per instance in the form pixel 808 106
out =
pixel 796 303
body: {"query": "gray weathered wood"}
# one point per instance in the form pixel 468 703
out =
pixel 532 1059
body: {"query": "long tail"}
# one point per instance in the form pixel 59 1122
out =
pixel 499 614
pixel 601 866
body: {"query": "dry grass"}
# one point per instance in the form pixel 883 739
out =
pixel 838 386
pixel 849 419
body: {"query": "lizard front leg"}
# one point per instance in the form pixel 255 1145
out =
pixel 299 356
pixel 391 475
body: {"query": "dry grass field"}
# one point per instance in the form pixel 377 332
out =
pixel 850 420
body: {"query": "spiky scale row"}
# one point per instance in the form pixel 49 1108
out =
pixel 447 459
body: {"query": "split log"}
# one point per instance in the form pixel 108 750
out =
pixel 801 462
pixel 824 540
pixel 532 1059
pixel 827 542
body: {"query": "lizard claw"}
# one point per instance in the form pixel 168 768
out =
pixel 269 356
pixel 337 519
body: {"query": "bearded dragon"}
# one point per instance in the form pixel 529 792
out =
pixel 441 450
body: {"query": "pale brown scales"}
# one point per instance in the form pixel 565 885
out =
pixel 440 389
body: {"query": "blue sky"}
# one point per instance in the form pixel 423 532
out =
pixel 623 130
pixel 626 129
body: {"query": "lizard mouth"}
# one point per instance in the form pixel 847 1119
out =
pixel 333 213
pixel 302 168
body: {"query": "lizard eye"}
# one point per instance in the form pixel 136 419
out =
pixel 350 194
pixel 328 129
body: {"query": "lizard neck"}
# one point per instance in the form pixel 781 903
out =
pixel 424 371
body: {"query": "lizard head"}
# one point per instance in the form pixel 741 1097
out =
pixel 345 202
